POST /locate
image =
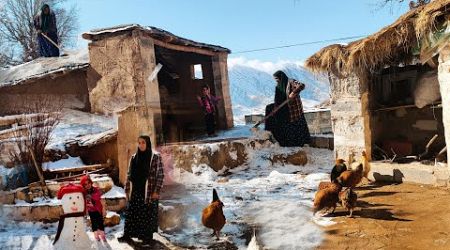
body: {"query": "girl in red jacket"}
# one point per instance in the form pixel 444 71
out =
pixel 94 207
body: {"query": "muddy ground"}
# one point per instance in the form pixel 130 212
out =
pixel 393 216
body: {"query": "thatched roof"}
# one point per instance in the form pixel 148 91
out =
pixel 43 67
pixel 390 46
pixel 155 33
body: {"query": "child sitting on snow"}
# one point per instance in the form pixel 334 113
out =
pixel 94 207
pixel 208 102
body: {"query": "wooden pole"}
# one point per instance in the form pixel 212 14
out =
pixel 38 170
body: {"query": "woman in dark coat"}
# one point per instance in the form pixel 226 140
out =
pixel 45 24
pixel 144 182
pixel 288 125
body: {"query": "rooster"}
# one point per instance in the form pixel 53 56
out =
pixel 328 197
pixel 212 216
pixel 348 199
pixel 338 169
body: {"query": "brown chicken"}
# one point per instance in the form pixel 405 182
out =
pixel 324 184
pixel 327 198
pixel 212 216
pixel 353 177
pixel 348 199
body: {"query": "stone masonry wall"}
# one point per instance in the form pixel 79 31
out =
pixel 444 81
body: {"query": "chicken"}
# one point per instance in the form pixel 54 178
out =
pixel 351 178
pixel 324 184
pixel 338 169
pixel 212 216
pixel 254 244
pixel 327 198
pixel 348 198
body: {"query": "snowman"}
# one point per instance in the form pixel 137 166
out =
pixel 71 232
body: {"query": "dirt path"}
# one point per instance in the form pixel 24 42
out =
pixel 403 216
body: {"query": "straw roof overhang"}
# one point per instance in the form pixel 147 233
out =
pixel 392 45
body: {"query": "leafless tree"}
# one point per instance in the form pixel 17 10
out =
pixel 17 27
pixel 412 4
pixel 32 133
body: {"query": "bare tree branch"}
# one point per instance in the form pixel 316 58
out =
pixel 34 134
pixel 17 28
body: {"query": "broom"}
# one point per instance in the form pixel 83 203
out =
pixel 56 45
pixel 275 110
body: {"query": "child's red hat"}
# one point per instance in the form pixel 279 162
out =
pixel 84 180
pixel 70 188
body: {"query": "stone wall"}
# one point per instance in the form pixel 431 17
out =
pixel 444 81
pixel 319 122
pixel 347 117
pixel 69 90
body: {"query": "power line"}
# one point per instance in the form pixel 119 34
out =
pixel 299 44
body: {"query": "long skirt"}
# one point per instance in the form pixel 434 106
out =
pixel 46 48
pixel 141 219
pixel 288 134
pixel 210 124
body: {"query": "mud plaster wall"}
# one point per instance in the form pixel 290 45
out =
pixel 70 90
pixel 348 117
pixel 99 154
pixel 118 64
pixel 444 82
pixel 132 122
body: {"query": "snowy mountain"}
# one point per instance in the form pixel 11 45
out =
pixel 253 87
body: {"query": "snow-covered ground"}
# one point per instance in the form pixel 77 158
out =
pixel 276 199
pixel 75 124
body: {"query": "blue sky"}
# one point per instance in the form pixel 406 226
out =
pixel 246 24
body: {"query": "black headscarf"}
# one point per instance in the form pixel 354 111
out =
pixel 45 18
pixel 280 90
pixel 282 115
pixel 141 165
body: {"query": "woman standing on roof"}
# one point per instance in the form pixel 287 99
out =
pixel 288 125
pixel 143 186
pixel 45 25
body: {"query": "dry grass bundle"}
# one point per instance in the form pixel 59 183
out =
pixel 426 20
pixel 391 45
pixel 331 58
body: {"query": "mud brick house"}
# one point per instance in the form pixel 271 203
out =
pixel 63 80
pixel 123 58
pixel 119 75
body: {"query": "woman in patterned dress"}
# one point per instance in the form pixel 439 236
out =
pixel 288 125
pixel 144 182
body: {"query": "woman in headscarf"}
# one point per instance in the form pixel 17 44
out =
pixel 144 182
pixel 45 25
pixel 288 125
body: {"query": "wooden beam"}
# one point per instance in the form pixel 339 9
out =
pixel 76 176
pixel 185 48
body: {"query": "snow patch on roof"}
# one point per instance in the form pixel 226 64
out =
pixel 43 66
pixel 69 163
